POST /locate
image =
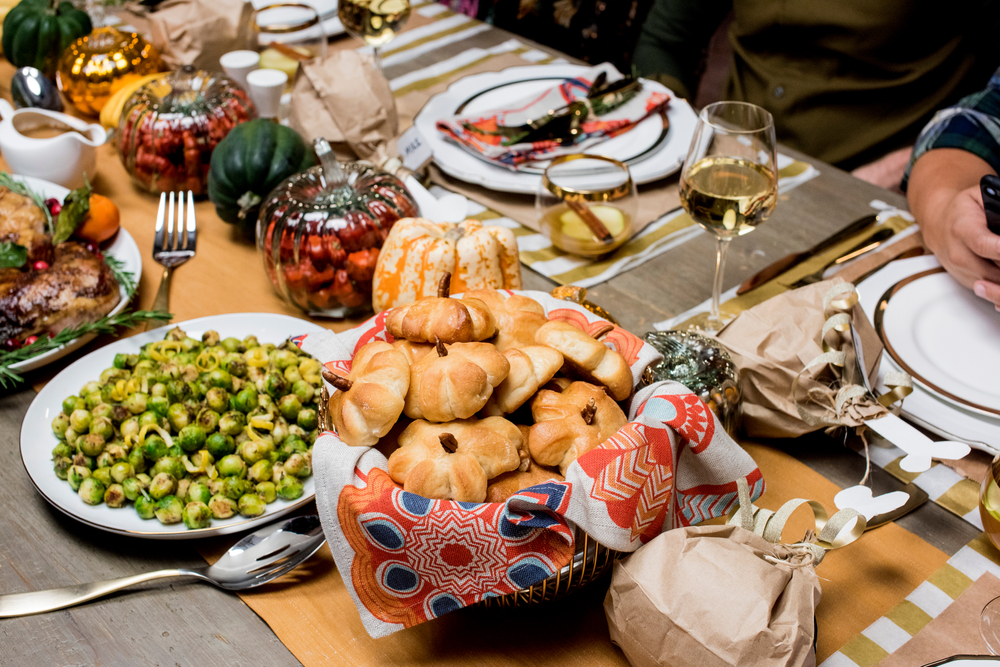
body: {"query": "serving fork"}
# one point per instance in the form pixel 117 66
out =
pixel 173 246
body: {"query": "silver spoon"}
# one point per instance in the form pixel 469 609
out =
pixel 256 559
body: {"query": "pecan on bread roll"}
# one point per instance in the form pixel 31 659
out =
pixel 370 398
pixel 441 317
pixel 570 424
pixel 455 381
pixel 454 461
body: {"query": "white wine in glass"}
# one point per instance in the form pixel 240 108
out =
pixel 729 182
pixel 374 22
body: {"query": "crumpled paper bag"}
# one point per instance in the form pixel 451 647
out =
pixel 773 342
pixel 345 99
pixel 705 597
pixel 191 32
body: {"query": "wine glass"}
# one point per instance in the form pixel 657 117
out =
pixel 729 183
pixel 285 34
pixel 989 511
pixel 586 204
pixel 374 22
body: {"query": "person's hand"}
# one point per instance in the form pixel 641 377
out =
pixel 958 236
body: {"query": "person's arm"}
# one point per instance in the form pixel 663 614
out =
pixel 673 41
pixel 958 147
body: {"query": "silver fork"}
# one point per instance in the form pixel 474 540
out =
pixel 169 248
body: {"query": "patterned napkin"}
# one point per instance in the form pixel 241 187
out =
pixel 478 133
pixel 408 559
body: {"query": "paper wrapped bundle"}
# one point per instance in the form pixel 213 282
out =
pixel 725 596
pixel 406 559
pixel 345 99
pixel 775 341
pixel 191 32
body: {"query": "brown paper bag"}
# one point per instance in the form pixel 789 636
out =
pixel 191 32
pixel 706 597
pixel 346 100
pixel 773 342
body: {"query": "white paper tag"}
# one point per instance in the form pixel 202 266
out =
pixel 860 498
pixel 919 448
pixel 414 149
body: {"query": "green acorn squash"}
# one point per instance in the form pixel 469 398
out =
pixel 250 162
pixel 36 32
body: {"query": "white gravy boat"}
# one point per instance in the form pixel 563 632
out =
pixel 63 159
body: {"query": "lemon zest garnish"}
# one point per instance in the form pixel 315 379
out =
pixel 256 357
pixel 118 392
pixel 263 422
pixel 163 434
pixel 208 360
pixel 159 349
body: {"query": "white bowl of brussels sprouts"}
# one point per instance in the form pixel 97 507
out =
pixel 168 436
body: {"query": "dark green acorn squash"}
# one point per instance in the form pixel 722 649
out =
pixel 250 162
pixel 36 32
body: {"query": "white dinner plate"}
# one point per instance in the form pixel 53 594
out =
pixel 631 147
pixel 665 158
pixel 37 439
pixel 123 248
pixel 327 10
pixel 946 337
pixel 946 418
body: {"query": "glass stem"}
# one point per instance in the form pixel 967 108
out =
pixel 721 248
pixel 378 59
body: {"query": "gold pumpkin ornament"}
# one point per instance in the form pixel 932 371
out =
pixel 96 66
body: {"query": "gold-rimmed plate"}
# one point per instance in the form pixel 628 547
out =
pixel 37 439
pixel 945 337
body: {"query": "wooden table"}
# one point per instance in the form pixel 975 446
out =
pixel 187 624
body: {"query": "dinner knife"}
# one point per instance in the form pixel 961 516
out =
pixel 780 266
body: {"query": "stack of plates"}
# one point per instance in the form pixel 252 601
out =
pixel 948 340
pixel 655 148
pixel 327 10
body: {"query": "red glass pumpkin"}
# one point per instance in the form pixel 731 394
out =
pixel 319 233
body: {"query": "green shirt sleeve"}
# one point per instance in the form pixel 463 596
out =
pixel 674 39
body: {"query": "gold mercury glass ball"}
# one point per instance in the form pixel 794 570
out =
pixel 96 66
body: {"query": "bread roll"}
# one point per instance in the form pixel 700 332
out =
pixel 369 400
pixel 571 423
pixel 590 359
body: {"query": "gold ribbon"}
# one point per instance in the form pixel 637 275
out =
pixel 830 532
pixel 900 386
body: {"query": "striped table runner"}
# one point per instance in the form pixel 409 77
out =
pixel 924 604
pixel 439 30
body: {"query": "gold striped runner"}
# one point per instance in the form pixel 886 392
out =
pixel 920 607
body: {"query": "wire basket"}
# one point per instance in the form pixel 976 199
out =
pixel 591 560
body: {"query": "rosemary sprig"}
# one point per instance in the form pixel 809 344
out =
pixel 125 278
pixel 105 325
pixel 17 187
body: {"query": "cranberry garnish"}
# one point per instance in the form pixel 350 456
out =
pixel 40 265
pixel 12 344
pixel 54 205
pixel 30 339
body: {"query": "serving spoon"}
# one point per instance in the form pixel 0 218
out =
pixel 256 559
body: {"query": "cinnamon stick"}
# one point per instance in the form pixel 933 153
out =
pixel 444 286
pixel 449 442
pixel 338 381
pixel 589 411
pixel 591 220
pixel 288 51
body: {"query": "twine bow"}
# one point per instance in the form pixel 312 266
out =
pixel 852 404
pixel 830 533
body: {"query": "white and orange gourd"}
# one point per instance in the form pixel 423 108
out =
pixel 417 252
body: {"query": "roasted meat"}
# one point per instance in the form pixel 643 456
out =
pixel 78 287
pixel 23 223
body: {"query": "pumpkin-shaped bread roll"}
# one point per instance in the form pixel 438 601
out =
pixel 370 399
pixel 455 381
pixel 441 317
pixel 454 461
pixel 414 351
pixel 518 317
pixel 530 368
pixel 588 358
pixel 571 423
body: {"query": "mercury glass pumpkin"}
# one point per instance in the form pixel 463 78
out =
pixel 169 128
pixel 95 66
pixel 319 233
